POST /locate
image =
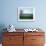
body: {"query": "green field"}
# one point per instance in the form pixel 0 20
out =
pixel 26 16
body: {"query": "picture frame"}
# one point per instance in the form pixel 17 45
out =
pixel 26 14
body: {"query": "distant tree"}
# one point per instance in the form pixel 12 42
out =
pixel 21 12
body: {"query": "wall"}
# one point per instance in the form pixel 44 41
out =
pixel 9 13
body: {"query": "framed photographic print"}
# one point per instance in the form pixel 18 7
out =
pixel 26 14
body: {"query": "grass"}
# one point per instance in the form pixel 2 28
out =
pixel 26 16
